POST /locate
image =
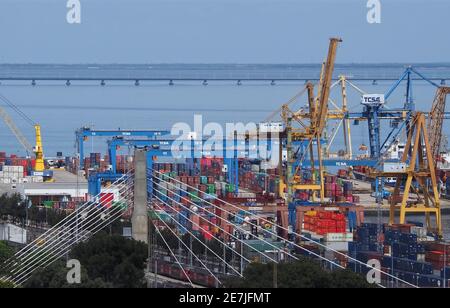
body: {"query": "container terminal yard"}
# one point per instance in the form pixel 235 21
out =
pixel 387 205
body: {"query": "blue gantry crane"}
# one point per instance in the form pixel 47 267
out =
pixel 84 133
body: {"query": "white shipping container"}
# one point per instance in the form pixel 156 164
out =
pixel 334 237
pixel 38 179
pixel 349 236
pixel 276 127
pixel 255 168
pixel 394 167
pixel 421 232
pixel 421 257
pixel 339 246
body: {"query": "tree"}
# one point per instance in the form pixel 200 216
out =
pixel 106 261
pixel 114 259
pixel 6 252
pixel 14 208
pixel 348 279
pixel 304 273
pixel 6 285
pixel 55 276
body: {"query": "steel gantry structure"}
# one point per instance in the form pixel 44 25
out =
pixel 84 133
pixel 230 149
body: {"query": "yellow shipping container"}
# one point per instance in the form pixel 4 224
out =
pixel 311 213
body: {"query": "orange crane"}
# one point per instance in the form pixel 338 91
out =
pixel 317 122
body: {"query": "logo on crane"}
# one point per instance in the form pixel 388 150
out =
pixel 373 99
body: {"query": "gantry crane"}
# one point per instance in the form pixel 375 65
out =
pixel 419 168
pixel 39 168
pixel 419 157
pixel 318 113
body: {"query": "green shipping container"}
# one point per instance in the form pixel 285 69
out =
pixel 48 204
pixel 211 189
pixel 194 196
pixel 263 245
pixel 121 205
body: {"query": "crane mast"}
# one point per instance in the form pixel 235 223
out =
pixel 38 151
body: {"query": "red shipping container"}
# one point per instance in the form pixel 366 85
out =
pixel 337 216
pixel 195 222
pixel 435 246
pixel 325 215
pixel 106 199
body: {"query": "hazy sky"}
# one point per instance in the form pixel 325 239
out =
pixel 222 31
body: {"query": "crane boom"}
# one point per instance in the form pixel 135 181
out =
pixel 15 130
pixel 324 87
pixel 436 119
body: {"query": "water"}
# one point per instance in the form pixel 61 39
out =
pixel 61 109
pixel 154 104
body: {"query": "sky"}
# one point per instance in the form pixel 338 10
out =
pixel 222 31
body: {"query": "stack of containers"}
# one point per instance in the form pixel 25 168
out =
pixel 2 158
pixel 342 173
pixel 11 174
pixel 348 190
pixel 95 160
pixel 406 258
pixel 403 255
pixel 338 190
pixel 438 254
pixel 324 222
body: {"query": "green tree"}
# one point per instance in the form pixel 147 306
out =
pixel 304 273
pixel 114 259
pixel 106 261
pixel 6 252
pixel 55 276
pixel 6 285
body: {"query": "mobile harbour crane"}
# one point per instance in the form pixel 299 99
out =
pixel 39 167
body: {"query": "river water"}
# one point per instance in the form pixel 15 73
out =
pixel 61 109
